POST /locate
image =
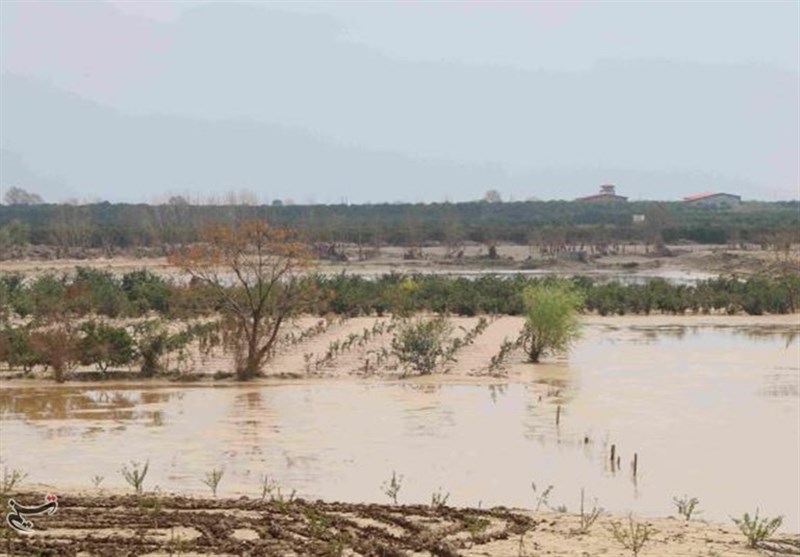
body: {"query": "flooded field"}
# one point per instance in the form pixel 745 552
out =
pixel 711 412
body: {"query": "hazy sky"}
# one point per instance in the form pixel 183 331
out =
pixel 386 101
pixel 550 35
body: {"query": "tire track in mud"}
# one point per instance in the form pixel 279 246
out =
pixel 168 525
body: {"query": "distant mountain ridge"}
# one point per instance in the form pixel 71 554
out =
pixel 101 152
pixel 65 146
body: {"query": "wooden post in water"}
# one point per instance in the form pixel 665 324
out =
pixel 613 458
pixel 635 463
pixel 558 414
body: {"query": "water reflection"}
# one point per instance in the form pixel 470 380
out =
pixel 766 333
pixel 63 403
pixel 780 385
pixel 250 417
pixel 497 391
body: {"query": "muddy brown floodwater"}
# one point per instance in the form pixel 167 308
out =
pixel 711 412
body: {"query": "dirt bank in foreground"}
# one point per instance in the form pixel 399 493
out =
pixel 95 525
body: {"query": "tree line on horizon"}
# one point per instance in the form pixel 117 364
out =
pixel 557 224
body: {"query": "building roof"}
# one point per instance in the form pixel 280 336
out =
pixel 705 195
pixel 607 193
pixel 603 197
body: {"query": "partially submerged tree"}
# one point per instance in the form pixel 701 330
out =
pixel 421 344
pixel 257 274
pixel 57 348
pixel 154 342
pixel 551 318
pixel 18 349
pixel 104 345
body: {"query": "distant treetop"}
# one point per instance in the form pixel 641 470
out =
pixel 18 196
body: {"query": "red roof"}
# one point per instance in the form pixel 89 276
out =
pixel 704 195
pixel 698 196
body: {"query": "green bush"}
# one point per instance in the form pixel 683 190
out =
pixel 756 529
pixel 551 318
pixel 19 349
pixel 97 291
pixel 45 297
pixel 104 346
pixel 146 291
pixel 421 345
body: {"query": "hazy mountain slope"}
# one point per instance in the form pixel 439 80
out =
pixel 105 153
pixel 357 121
pixel 95 151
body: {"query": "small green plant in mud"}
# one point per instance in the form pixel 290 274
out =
pixel 588 518
pixel 521 550
pixel 497 362
pixel 633 536
pixel 212 479
pixel 271 488
pixel 686 506
pixel 335 548
pixel 135 475
pixel 268 487
pixel 11 478
pixel 541 498
pixel 177 544
pixel 318 522
pixel 97 479
pixel 757 530
pixel 475 525
pixel 153 506
pixel 391 488
pixel 439 499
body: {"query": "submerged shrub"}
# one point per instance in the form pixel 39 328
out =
pixel 421 345
pixel 104 346
pixel 551 319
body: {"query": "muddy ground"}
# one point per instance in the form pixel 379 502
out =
pixel 160 525
pixel 676 261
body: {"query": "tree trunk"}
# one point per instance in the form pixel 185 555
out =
pixel 252 364
pixel 533 350
pixel 249 370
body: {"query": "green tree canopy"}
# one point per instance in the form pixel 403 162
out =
pixel 551 318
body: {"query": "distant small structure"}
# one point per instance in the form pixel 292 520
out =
pixel 713 200
pixel 638 219
pixel 607 193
